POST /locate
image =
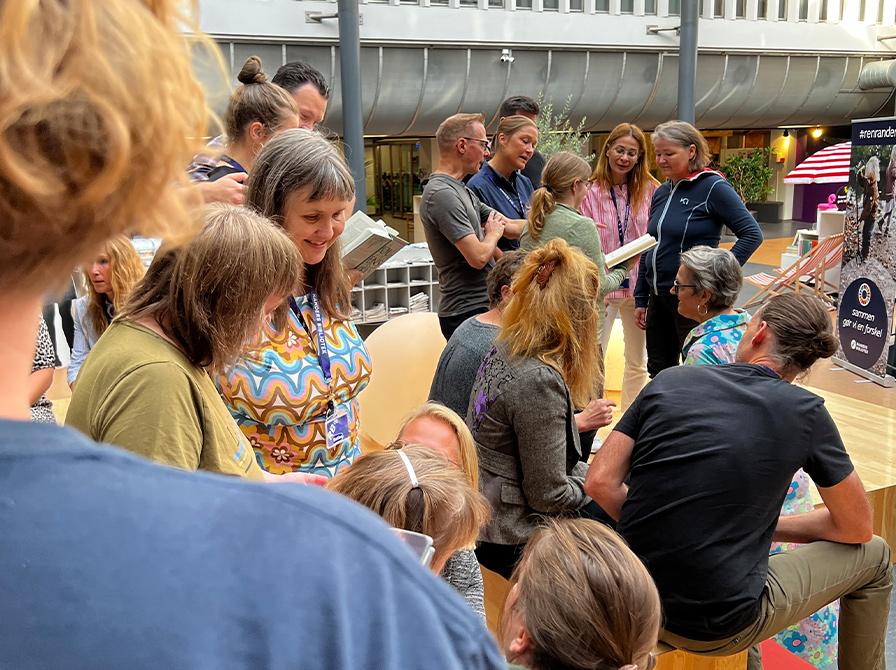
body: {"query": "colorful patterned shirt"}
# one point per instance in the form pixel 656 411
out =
pixel 279 397
pixel 714 342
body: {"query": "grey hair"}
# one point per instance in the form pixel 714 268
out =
pixel 717 271
pixel 294 160
pixel 684 135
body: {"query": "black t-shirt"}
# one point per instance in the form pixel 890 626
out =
pixel 715 450
pixel 534 168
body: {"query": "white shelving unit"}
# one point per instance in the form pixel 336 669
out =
pixel 394 287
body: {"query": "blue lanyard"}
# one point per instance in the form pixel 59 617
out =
pixel 232 162
pixel 620 226
pixel 323 354
pixel 518 205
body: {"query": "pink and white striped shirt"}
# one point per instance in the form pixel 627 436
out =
pixel 598 206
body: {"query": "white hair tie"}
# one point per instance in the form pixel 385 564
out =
pixel 410 468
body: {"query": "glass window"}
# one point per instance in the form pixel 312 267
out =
pixel 762 9
pixel 740 9
pixel 627 6
pixel 551 5
pixel 602 5
pixel 577 5
pixel 524 4
pixel 674 7
pixel 804 10
pixel 782 10
pixel 650 6
pixel 718 9
pixel 823 11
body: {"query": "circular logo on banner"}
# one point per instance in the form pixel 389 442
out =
pixel 862 323
pixel 864 294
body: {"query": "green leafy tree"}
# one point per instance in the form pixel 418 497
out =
pixel 556 132
pixel 748 172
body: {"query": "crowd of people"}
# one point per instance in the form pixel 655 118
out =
pixel 146 532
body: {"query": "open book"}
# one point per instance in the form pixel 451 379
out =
pixel 630 250
pixel 367 244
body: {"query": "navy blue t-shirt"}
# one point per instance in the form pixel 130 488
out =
pixel 108 561
pixel 511 196
pixel 716 447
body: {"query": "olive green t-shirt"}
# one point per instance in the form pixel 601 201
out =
pixel 139 392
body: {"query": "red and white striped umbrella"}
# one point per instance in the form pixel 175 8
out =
pixel 828 166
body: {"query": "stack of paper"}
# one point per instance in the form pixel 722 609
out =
pixel 395 311
pixel 377 312
pixel 419 302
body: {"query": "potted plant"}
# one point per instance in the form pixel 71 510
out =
pixel 749 173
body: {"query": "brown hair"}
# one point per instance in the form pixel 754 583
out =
pixel 125 270
pixel 639 176
pixel 469 460
pixel 585 599
pixel 502 275
pixel 256 100
pixel 455 127
pixel 803 330
pixel 208 295
pixel 443 505
pixel 83 156
pixel 302 160
pixel 552 316
pixel 510 126
pixel 562 170
pixel 684 135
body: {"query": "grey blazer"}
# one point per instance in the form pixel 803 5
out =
pixel 523 422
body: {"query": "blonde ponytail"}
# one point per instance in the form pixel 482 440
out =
pixel 541 204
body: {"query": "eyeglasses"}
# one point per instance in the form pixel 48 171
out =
pixel 485 144
pixel 676 286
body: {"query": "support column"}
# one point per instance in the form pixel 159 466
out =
pixel 350 76
pixel 687 60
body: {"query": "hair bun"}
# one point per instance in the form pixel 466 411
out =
pixel 251 73
pixel 826 344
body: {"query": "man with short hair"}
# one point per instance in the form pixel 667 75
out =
pixel 522 105
pixel 696 472
pixel 461 231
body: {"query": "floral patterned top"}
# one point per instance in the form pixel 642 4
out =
pixel 714 342
pixel 279 397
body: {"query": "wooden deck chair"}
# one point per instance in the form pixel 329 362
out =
pixel 805 273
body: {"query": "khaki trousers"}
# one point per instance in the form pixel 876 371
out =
pixel 634 375
pixel 802 582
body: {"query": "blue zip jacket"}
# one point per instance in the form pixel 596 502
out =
pixel 686 214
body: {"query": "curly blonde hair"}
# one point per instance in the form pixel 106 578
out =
pixel 99 113
pixel 552 316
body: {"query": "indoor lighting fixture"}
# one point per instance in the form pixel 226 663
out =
pixel 815 132
pixel 786 133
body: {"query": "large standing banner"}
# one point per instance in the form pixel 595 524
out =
pixel 868 271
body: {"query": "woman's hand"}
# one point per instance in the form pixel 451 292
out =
pixel 597 414
pixel 641 317
pixel 229 189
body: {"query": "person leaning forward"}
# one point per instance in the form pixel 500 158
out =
pixel 705 484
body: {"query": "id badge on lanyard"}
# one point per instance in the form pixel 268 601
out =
pixel 621 226
pixel 336 422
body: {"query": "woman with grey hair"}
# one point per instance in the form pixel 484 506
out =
pixel 295 395
pixel 689 209
pixel 707 285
